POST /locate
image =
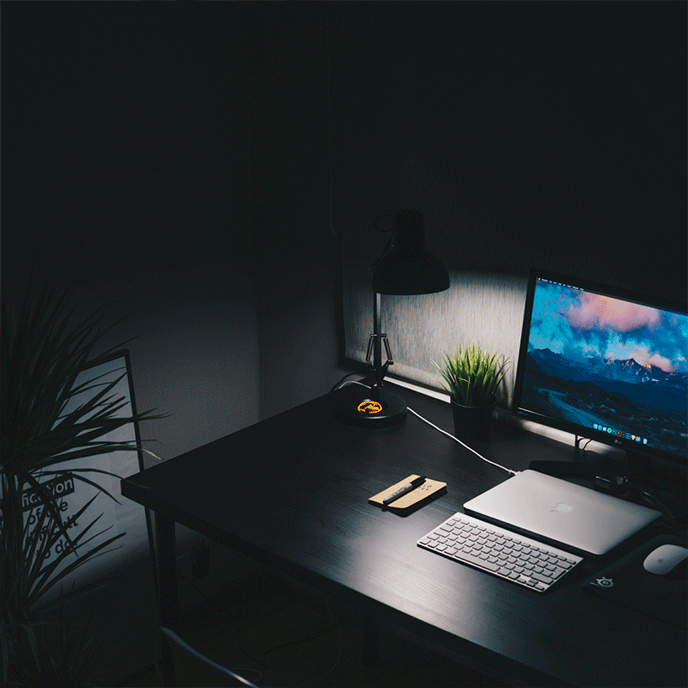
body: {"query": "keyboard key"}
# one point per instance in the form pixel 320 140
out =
pixel 541 578
pixel 477 561
pixel 513 557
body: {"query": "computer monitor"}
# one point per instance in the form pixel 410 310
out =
pixel 605 364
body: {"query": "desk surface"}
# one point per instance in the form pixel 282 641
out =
pixel 292 492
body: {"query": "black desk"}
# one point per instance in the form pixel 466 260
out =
pixel 292 493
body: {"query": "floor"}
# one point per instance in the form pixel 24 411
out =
pixel 279 633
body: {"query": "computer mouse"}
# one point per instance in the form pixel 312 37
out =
pixel 667 560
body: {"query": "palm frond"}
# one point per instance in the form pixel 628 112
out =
pixel 44 352
pixel 54 417
pixel 60 653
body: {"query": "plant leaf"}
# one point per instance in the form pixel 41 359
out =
pixel 472 375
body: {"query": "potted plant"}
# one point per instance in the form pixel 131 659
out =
pixel 44 349
pixel 472 375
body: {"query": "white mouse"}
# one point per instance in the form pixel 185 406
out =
pixel 663 560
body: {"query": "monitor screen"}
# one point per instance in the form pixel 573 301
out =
pixel 605 365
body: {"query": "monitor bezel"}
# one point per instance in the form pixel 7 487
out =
pixel 631 447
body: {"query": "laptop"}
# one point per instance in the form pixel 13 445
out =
pixel 561 513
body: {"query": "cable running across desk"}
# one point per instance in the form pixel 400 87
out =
pixel 465 446
pixel 432 425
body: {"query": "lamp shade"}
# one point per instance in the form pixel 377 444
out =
pixel 408 268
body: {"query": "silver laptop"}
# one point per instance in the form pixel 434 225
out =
pixel 561 513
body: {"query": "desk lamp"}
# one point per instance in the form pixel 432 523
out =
pixel 405 268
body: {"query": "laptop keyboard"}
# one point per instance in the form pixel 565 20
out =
pixel 501 552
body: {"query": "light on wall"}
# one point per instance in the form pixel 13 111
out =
pixel 405 268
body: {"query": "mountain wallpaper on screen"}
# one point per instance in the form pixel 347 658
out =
pixel 608 365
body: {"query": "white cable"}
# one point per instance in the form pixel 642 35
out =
pixel 444 432
pixel 353 382
pixel 465 446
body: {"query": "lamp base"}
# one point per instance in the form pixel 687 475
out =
pixel 359 408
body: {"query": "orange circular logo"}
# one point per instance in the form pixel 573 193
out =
pixel 370 407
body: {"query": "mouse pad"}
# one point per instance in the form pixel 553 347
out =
pixel 626 582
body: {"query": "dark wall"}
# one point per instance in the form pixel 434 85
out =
pixel 182 156
pixel 297 228
pixel 547 134
pixel 175 158
pixel 125 140
pixel 125 152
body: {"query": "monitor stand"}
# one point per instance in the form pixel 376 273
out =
pixel 667 485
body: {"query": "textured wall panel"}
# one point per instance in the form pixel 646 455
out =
pixel 481 308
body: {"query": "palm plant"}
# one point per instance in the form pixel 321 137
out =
pixel 472 375
pixel 56 655
pixel 45 423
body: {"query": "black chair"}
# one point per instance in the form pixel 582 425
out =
pixel 191 668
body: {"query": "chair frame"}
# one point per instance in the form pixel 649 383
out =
pixel 178 647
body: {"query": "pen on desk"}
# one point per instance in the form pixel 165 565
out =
pixel 404 489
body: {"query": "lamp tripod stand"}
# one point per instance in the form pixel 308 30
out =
pixel 380 407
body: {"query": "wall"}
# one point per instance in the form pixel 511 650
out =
pixel 529 134
pixel 184 162
pixel 125 173
pixel 296 223
pixel 178 164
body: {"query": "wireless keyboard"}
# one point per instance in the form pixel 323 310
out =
pixel 499 551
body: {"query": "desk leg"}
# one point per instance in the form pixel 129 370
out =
pixel 168 599
pixel 371 642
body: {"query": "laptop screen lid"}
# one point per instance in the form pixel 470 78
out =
pixel 561 513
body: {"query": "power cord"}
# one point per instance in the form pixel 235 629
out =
pixel 671 522
pixel 341 384
pixel 463 444
pixel 336 623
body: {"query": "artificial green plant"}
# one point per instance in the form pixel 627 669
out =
pixel 472 375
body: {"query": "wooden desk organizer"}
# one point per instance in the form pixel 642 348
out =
pixel 414 499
